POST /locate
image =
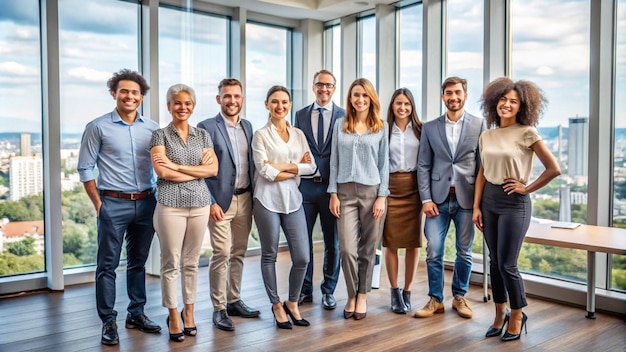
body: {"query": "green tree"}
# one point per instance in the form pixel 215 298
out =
pixel 22 248
pixel 11 264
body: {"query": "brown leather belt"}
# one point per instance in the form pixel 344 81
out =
pixel 452 190
pixel 126 195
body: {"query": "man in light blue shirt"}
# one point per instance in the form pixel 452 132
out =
pixel 117 143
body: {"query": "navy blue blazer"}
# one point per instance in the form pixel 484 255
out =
pixel 322 157
pixel 222 186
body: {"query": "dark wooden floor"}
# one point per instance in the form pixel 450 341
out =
pixel 68 321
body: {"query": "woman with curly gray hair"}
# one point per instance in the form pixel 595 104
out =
pixel 502 205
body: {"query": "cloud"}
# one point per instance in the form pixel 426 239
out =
pixel 89 74
pixel 12 68
pixel 19 12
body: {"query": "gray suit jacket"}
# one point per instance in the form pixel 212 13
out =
pixel 435 161
pixel 222 186
pixel 303 122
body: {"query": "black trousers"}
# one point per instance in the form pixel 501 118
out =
pixel 505 221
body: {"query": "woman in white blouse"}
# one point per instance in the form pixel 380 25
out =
pixel 403 222
pixel 281 155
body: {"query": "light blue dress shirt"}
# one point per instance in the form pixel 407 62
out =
pixel 121 153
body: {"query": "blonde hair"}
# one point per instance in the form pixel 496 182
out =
pixel 374 122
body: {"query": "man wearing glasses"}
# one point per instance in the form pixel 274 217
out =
pixel 317 121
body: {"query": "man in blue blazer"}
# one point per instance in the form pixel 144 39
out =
pixel 231 204
pixel 313 188
pixel 448 161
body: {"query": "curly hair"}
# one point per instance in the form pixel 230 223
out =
pixel 128 75
pixel 415 121
pixel 533 101
pixel 373 117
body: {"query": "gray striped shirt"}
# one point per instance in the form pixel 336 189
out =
pixel 358 158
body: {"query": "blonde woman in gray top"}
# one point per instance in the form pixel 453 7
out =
pixel 358 187
pixel 502 205
pixel 182 157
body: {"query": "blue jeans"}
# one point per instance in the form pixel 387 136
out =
pixel 315 201
pixel 436 230
pixel 119 217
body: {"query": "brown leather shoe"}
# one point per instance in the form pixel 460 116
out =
pixel 431 308
pixel 460 305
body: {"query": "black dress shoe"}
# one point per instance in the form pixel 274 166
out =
pixel 282 324
pixel 328 301
pixel 109 333
pixel 240 309
pixel 491 332
pixel 142 323
pixel 222 320
pixel 305 298
pixel 511 337
pixel 299 322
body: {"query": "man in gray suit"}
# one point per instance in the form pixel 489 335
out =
pixel 317 121
pixel 448 162
pixel 231 209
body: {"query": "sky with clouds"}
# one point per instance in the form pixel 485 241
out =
pixel 102 37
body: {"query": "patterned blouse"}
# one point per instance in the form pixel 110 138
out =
pixel 194 193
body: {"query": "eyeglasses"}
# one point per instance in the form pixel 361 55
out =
pixel 321 85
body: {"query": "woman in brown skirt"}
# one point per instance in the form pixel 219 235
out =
pixel 404 217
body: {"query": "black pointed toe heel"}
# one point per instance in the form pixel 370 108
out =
pixel 491 332
pixel 282 324
pixel 192 331
pixel 298 322
pixel 511 337
pixel 177 337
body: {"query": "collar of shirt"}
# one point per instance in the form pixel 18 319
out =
pixel 273 127
pixel 328 107
pixel 457 121
pixel 230 122
pixel 396 129
pixel 115 117
pixel 172 129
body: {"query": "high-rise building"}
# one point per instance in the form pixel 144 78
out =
pixel 577 144
pixel 25 144
pixel 25 176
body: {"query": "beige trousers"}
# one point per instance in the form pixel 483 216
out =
pixel 229 240
pixel 359 234
pixel 180 232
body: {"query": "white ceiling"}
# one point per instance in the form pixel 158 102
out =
pixel 322 10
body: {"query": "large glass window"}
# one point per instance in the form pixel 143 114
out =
pixel 618 262
pixel 193 49
pixel 92 47
pixel 464 28
pixel 21 167
pixel 266 65
pixel 410 42
pixel 564 125
pixel 367 49
pixel 332 38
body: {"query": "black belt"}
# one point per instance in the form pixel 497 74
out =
pixel 239 191
pixel 318 179
pixel 127 195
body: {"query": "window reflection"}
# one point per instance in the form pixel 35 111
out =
pixel 92 47
pixel 21 178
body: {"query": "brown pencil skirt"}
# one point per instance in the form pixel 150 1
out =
pixel 403 224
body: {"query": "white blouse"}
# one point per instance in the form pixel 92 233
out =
pixel 403 148
pixel 268 147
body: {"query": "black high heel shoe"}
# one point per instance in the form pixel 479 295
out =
pixel 192 331
pixel 281 324
pixel 510 337
pixel 491 332
pixel 177 337
pixel 299 322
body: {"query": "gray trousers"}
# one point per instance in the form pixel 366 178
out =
pixel 359 234
pixel 268 224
